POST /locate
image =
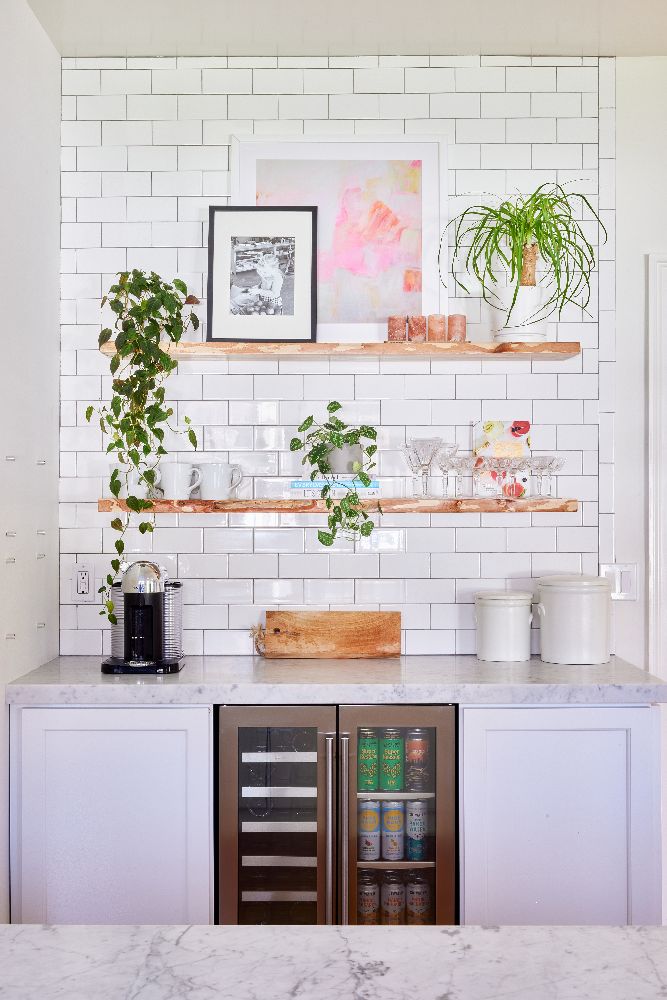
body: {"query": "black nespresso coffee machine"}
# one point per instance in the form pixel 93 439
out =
pixel 147 638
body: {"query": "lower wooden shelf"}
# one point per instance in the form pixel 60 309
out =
pixel 389 505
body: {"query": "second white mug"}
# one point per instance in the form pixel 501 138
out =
pixel 219 480
pixel 177 480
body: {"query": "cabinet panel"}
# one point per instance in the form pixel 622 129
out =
pixel 559 816
pixel 113 815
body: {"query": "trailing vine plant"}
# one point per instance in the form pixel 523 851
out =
pixel 509 237
pixel 320 441
pixel 149 314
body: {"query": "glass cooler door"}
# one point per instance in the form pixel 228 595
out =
pixel 277 818
pixel 397 815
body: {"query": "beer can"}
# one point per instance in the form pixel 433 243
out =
pixel 416 820
pixel 368 898
pixel 367 761
pixel 368 831
pixel 417 761
pixel 417 899
pixel 393 830
pixel 391 751
pixel 392 899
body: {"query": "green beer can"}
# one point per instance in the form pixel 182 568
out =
pixel 367 761
pixel 392 757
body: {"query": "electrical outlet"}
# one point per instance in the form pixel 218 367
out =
pixel 83 591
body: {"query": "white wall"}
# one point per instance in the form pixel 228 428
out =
pixel 641 208
pixel 29 258
pixel 145 151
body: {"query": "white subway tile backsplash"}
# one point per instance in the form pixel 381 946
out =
pixel 150 151
pixel 578 79
pixel 534 79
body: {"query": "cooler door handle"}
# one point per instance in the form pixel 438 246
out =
pixel 345 828
pixel 329 841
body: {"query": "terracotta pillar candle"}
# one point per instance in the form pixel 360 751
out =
pixel 437 328
pixel 417 328
pixel 456 328
pixel 396 328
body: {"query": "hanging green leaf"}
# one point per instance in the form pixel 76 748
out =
pixel 149 313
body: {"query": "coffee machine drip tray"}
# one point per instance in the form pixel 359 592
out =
pixel 116 665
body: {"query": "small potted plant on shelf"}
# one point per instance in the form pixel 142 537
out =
pixel 334 448
pixel 502 245
pixel 150 314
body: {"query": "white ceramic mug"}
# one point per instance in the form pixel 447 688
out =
pixel 136 488
pixel 219 480
pixel 177 480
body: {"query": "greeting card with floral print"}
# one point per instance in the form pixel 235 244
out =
pixel 502 439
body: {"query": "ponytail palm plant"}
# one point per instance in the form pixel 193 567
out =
pixel 507 240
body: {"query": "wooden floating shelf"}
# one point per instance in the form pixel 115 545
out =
pixel 390 505
pixel 546 351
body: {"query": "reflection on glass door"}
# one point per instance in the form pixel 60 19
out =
pixel 276 816
pixel 399 823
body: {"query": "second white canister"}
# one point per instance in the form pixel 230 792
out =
pixel 503 620
pixel 575 618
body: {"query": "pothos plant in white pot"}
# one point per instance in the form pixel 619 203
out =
pixel 506 246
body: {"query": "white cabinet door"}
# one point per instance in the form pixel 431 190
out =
pixel 113 818
pixel 560 816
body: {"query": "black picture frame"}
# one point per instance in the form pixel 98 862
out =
pixel 311 334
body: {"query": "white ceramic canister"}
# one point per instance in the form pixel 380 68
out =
pixel 575 618
pixel 503 620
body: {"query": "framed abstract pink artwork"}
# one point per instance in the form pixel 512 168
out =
pixel 381 209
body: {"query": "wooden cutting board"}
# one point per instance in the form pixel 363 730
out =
pixel 332 634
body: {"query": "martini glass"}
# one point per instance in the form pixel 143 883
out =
pixel 541 466
pixel 443 460
pixel 424 451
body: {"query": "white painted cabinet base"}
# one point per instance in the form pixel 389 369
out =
pixel 112 815
pixel 560 816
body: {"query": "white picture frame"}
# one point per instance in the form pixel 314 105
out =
pixel 249 152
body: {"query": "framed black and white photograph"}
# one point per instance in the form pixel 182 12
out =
pixel 262 273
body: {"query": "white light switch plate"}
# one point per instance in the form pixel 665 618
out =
pixel 623 578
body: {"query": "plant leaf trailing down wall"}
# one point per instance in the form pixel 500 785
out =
pixel 149 312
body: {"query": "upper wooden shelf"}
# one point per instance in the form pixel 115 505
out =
pixel 389 505
pixel 547 351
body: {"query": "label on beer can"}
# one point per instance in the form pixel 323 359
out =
pixel 418 900
pixel 393 830
pixel 417 761
pixel 367 761
pixel 393 902
pixel 391 761
pixel 368 901
pixel 368 828
pixel 416 827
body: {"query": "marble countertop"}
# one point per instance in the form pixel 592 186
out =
pixel 333 963
pixel 252 680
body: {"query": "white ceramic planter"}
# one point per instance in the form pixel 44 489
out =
pixel 530 303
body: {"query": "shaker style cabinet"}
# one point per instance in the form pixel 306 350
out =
pixel 560 815
pixel 337 816
pixel 112 815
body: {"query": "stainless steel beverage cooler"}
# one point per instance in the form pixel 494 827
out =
pixel 293 788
